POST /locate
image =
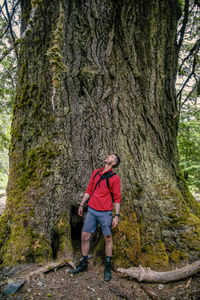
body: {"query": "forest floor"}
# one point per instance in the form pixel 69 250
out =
pixel 60 285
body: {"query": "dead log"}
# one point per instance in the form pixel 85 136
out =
pixel 148 275
pixel 48 268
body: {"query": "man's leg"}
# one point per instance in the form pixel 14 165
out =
pixel 109 247
pixel 85 246
pixel 105 220
pixel 85 242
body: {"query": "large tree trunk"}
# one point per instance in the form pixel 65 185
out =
pixel 97 77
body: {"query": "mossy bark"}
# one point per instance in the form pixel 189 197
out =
pixel 97 77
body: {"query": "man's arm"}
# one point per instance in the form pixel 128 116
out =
pixel 85 198
pixel 117 207
pixel 87 195
pixel 116 218
pixel 117 200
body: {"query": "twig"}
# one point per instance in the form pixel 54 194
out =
pixel 188 283
pixel 151 294
pixel 119 293
pixel 1 166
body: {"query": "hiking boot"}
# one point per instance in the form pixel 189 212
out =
pixel 83 266
pixel 107 272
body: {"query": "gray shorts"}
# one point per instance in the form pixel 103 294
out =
pixel 93 217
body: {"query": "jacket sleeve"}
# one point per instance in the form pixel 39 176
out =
pixel 116 190
pixel 90 185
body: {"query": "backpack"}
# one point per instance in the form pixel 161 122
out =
pixel 105 176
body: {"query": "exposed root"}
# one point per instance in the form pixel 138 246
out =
pixel 148 275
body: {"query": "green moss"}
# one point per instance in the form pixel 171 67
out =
pixel 17 41
pixel 64 233
pixel 127 245
pixel 4 228
pixel 174 238
pixel 54 53
pixel 176 255
pixel 36 166
pixel 155 255
pixel 22 246
pixel 187 196
pixel 27 92
pixel 35 2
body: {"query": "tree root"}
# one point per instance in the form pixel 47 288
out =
pixel 148 275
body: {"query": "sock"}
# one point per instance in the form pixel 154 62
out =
pixel 85 259
pixel 108 259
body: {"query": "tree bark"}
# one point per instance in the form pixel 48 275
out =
pixel 97 77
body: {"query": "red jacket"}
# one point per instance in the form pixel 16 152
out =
pixel 101 199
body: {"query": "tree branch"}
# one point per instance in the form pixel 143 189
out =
pixel 196 45
pixel 183 27
pixel 10 24
pixel 148 275
pixel 18 41
pixel 10 17
pixel 188 78
pixel 188 96
pixel 1 166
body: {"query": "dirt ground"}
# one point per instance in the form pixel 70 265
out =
pixel 60 285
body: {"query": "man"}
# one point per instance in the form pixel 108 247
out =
pixel 103 189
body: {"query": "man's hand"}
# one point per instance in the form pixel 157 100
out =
pixel 80 211
pixel 115 222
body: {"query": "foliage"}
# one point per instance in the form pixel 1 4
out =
pixel 187 96
pixel 189 144
pixel 188 83
pixel 8 69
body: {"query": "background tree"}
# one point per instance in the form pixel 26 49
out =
pixel 188 94
pixel 189 144
pixel 8 68
pixel 96 78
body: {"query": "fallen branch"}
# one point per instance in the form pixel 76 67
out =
pixel 148 275
pixel 48 268
pixel 119 293
pixel 149 293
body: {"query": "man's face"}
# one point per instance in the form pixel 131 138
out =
pixel 110 159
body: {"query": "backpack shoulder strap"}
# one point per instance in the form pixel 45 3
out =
pixel 97 173
pixel 108 184
pixel 104 176
pixel 107 177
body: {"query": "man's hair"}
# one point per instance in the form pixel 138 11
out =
pixel 117 161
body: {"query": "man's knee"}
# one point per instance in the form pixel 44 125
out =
pixel 85 236
pixel 108 238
